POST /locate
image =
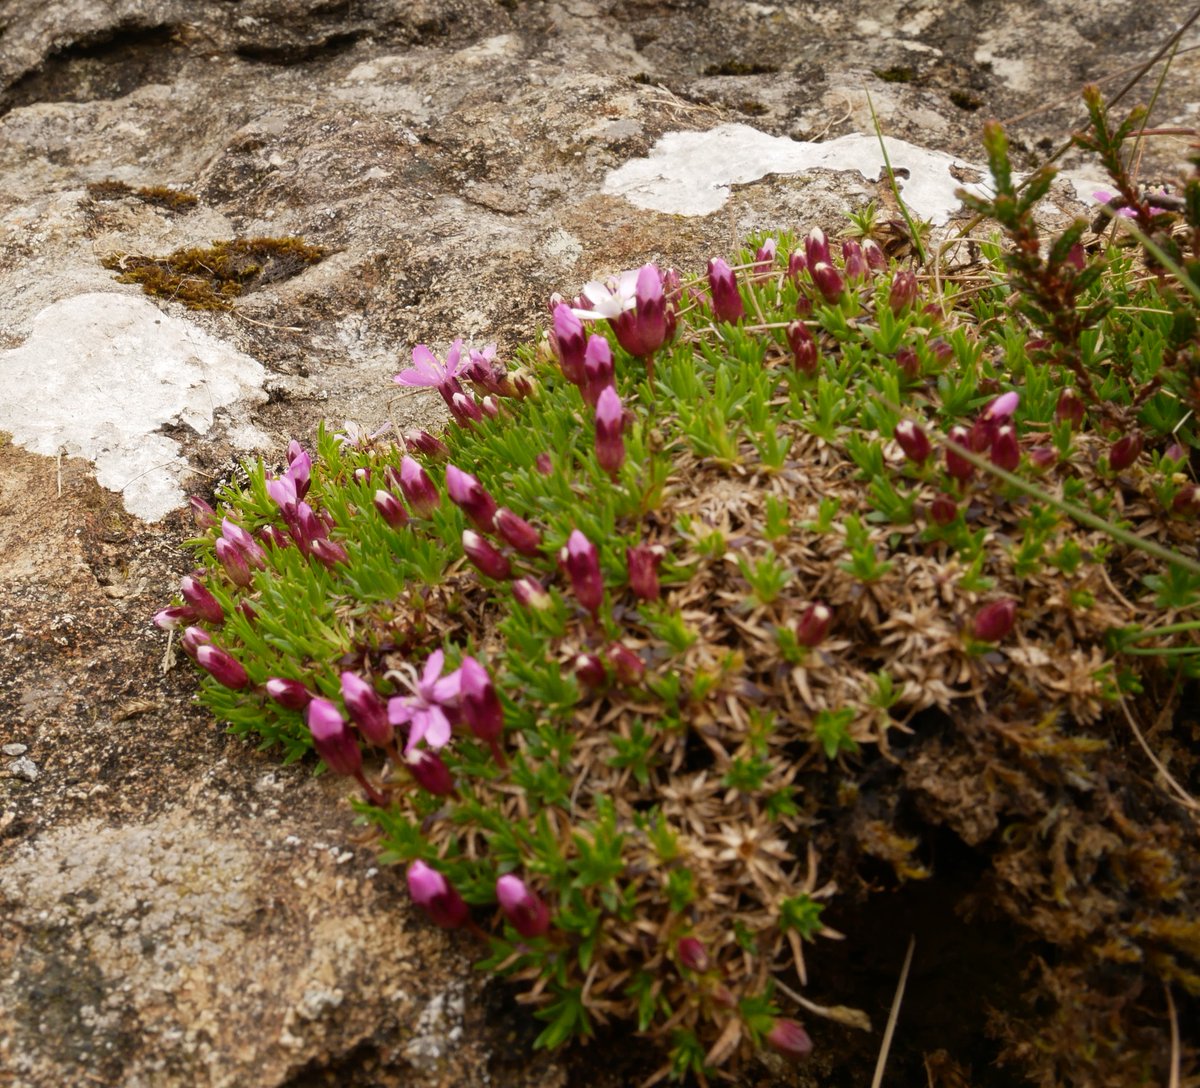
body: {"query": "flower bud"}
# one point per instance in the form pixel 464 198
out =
pixel 203 515
pixel 903 292
pixel 332 738
pixel 628 667
pixel 221 667
pixel 471 497
pixel 873 252
pixel 233 560
pixel 290 694
pixel 202 602
pixel 828 280
pixel 430 772
pixel 418 488
pixel 1002 408
pixel 436 896
pixel 419 441
pixel 597 369
pixel 796 265
pixel 854 263
pixel 957 465
pixel 193 638
pixel 1042 457
pixel 479 702
pixel 274 536
pixel 167 619
pixel 644 329
pixel 485 556
pixel 589 670
pixel 726 299
pixel 528 915
pixel 465 409
pixel 804 347
pixel 692 954
pixel 328 552
pixel 610 421
pixel 244 542
pixel 940 349
pixel 517 532
pixel 909 362
pixel 569 342
pixel 299 469
pixel 994 621
pixel 1186 503
pixel 582 563
pixel 764 260
pixel 367 709
pixel 362 475
pixel 532 594
pixel 543 464
pixel 816 247
pixel 391 509
pixel 282 490
pixel 1006 454
pixel 1125 451
pixel 913 441
pixel 643 562
pixel 943 510
pixel 813 625
pixel 789 1039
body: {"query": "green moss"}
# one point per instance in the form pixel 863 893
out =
pixel 161 196
pixel 211 277
pixel 965 100
pixel 897 74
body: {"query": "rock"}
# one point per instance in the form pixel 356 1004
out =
pixel 166 919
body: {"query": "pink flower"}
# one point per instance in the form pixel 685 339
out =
pixel 424 710
pixel 427 372
pixel 529 916
pixel 436 896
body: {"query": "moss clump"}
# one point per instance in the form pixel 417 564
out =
pixel 161 196
pixel 211 277
pixel 896 74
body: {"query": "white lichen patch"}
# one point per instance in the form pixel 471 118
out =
pixel 99 377
pixel 691 173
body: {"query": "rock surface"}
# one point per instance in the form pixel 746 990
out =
pixel 175 908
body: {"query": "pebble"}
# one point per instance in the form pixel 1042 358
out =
pixel 24 768
pixel 14 749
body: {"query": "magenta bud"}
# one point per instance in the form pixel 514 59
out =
pixel 644 329
pixel 804 306
pixel 528 915
pixel 1125 451
pixel 517 532
pixel 804 347
pixel 465 408
pixel 643 562
pixel 283 491
pixel 726 299
pixel 873 252
pixel 903 292
pixel 569 342
pixel 244 542
pixel 328 552
pixel 543 464
pixel 816 247
pixel 692 954
pixel 943 510
pixel 221 667
pixel 332 738
pixel 485 556
pixel 1175 452
pixel 789 1039
pixel 628 667
pixel 1042 457
pixel 1186 503
pixel 913 441
pixel 362 475
pixel 274 536
pixel 1006 454
pixel 796 265
pixel 532 594
pixel 290 694
pixel 203 515
pixel 307 527
pixel 479 702
pixel 299 468
pixel 940 349
pixel 981 435
pixel 422 442
pixel 813 625
pixel 436 896
pixel 854 262
pixel 764 259
pixel 167 619
pixel 610 421
pixel 418 488
pixel 193 638
pixel 582 563
pixel 247 610
pixel 597 369
pixel 909 362
pixel 471 497
pixel 957 465
pixel 589 670
pixel 994 621
pixel 1002 408
pixel 197 595
pixel 294 451
pixel 233 559
pixel 391 509
pixel 367 709
pixel 430 772
pixel 828 280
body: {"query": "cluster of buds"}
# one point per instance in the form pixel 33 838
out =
pixel 524 909
pixel 637 308
pixel 992 433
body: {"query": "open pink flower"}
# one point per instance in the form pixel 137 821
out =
pixel 425 710
pixel 428 373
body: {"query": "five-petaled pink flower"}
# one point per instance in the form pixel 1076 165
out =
pixel 425 709
pixel 427 372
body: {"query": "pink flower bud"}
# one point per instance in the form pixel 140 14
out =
pixel 854 262
pixel 582 563
pixel 597 369
pixel 485 556
pixel 283 491
pixel 367 709
pixel 543 464
pixel 610 421
pixel 1125 451
pixel 290 694
pixel 391 509
pixel 528 915
pixel 362 475
pixel 299 468
pixel 804 347
pixel 909 362
pixel 436 896
pixel 203 515
pixel 204 604
pixel 465 409
pixel 532 594
pixel 628 667
pixel 193 639
pixel 913 441
pixel 876 258
pixel 789 1039
pixel 167 619
pixel 828 280
pixel 589 670
pixel 274 536
pixel 221 667
pixel 957 465
pixel 764 260
pixel 940 349
pixel 328 552
pixel 643 562
pixel 1186 503
pixel 816 248
pixel 479 702
pixel 692 954
pixel 430 772
pixel 644 329
pixel 233 559
pixel 943 510
pixel 244 542
pixel 1175 452
pixel 1042 457
pixel 517 532
pixel 307 527
pixel 418 488
pixel 726 299
pixel 994 621
pixel 422 442
pixel 471 497
pixel 1006 454
pixel 903 292
pixel 332 738
pixel 569 342
pixel 813 625
pixel 1002 408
